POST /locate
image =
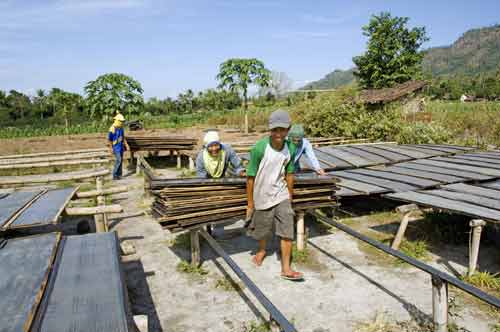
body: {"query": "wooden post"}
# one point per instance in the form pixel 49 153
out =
pixel 179 159
pixel 407 210
pixel 477 227
pixel 137 165
pixel 191 164
pixel 300 231
pixel 195 247
pixel 99 218
pixel 440 304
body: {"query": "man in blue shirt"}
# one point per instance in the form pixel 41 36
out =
pixel 296 135
pixel 117 144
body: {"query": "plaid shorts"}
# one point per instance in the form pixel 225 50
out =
pixel 279 218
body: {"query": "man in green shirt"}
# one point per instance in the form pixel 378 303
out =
pixel 270 190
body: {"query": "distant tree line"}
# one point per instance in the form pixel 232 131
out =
pixel 484 86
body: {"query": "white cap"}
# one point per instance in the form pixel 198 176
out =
pixel 210 138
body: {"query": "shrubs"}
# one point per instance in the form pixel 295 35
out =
pixel 340 113
pixel 422 133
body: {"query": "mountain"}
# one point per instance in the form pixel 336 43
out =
pixel 332 80
pixel 476 51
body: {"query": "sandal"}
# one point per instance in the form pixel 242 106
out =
pixel 294 276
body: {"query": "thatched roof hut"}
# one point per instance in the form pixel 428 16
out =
pixel 375 96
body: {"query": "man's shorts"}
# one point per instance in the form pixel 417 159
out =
pixel 279 218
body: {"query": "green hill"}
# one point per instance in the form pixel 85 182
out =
pixel 332 80
pixel 476 51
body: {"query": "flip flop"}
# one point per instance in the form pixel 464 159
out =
pixel 295 276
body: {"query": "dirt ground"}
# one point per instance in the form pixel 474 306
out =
pixel 347 286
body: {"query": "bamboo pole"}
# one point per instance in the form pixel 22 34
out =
pixel 34 160
pixel 407 210
pixel 55 163
pixel 53 153
pixel 54 177
pixel 195 247
pixel 109 191
pixel 87 211
pixel 99 218
pixel 477 227
pixel 440 304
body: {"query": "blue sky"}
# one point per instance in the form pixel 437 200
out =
pixel 170 46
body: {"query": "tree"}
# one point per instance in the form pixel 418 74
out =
pixel 279 85
pixel 19 104
pixel 114 92
pixel 40 103
pixel 64 104
pixel 393 52
pixel 239 74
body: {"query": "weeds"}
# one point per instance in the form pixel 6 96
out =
pixel 227 285
pixel 495 327
pixel 415 249
pixel 380 323
pixel 186 267
pixel 299 257
pixel 256 327
pixel 484 280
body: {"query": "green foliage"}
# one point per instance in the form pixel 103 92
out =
pixel 186 267
pixel 469 123
pixel 238 74
pixel 392 54
pixel 423 133
pixel 227 285
pixel 300 257
pixel 484 280
pixel 340 113
pixel 256 327
pixel 482 85
pixel 415 249
pixel 114 92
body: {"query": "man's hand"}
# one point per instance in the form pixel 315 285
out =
pixel 243 173
pixel 250 210
pixel 321 171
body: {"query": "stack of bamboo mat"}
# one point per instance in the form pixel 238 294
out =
pixel 156 143
pixel 189 203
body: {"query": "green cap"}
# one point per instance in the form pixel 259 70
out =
pixel 297 131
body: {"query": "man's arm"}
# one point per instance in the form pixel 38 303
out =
pixel 250 202
pixel 110 141
pixel 127 147
pixel 235 161
pixel 311 156
pixel 290 182
pixel 201 172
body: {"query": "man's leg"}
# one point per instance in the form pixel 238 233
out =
pixel 284 220
pixel 120 171
pixel 286 256
pixel 260 229
pixel 261 253
pixel 116 168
